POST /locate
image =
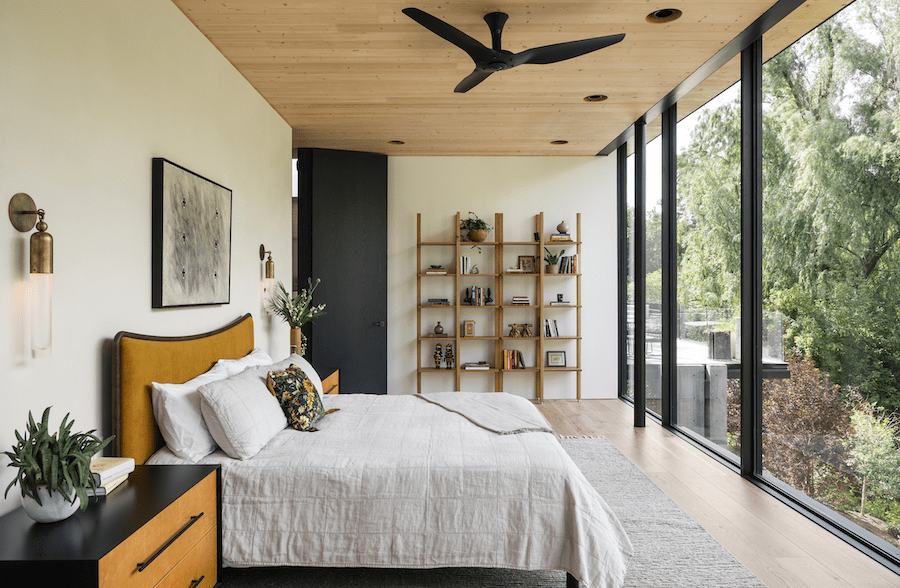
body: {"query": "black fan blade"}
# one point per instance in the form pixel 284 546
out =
pixel 477 51
pixel 472 80
pixel 563 51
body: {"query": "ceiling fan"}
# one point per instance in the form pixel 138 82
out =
pixel 488 61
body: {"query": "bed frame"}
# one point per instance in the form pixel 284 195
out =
pixel 139 360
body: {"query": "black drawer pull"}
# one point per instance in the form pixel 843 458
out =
pixel 196 582
pixel 143 566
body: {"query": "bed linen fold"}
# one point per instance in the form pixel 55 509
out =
pixel 504 414
pixel 392 481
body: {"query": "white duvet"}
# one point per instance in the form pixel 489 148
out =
pixel 393 481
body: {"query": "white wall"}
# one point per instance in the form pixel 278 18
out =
pixel 90 92
pixel 519 188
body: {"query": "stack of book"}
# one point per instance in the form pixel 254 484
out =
pixel 515 270
pixel 480 365
pixel 521 301
pixel 560 237
pixel 436 271
pixel 560 303
pixel 438 302
pixel 568 265
pixel 550 328
pixel 109 473
pixel 512 359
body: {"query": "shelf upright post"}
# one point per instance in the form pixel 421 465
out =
pixel 498 300
pixel 457 351
pixel 539 300
pixel 418 302
pixel 578 272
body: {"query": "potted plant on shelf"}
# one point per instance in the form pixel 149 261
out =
pixel 296 311
pixel 54 470
pixel 552 260
pixel 477 228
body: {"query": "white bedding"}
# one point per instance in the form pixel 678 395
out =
pixel 392 481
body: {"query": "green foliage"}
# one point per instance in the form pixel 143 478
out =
pixel 552 258
pixel 473 223
pixel 873 450
pixel 61 461
pixel 298 310
pixel 831 216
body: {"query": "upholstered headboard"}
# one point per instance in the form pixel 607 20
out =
pixel 139 360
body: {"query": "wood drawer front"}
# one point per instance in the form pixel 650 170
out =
pixel 119 568
pixel 199 567
pixel 331 384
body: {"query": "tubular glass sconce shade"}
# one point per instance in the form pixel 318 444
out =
pixel 269 281
pixel 24 216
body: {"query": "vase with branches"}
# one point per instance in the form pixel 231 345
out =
pixel 296 311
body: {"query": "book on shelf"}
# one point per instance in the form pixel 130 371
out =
pixel 438 302
pixel 479 365
pixel 105 469
pixel 435 272
pixel 560 303
pixel 521 301
pixel 555 329
pixel 513 360
pixel 106 488
pixel 515 270
pixel 566 237
pixel 568 264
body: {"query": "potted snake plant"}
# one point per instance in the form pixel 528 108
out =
pixel 54 470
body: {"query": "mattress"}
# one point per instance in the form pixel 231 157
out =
pixel 394 481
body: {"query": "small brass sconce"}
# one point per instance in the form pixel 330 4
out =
pixel 24 216
pixel 269 280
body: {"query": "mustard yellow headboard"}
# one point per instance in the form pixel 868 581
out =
pixel 138 360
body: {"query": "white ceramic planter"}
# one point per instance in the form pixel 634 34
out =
pixel 54 507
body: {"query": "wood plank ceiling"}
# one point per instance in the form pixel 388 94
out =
pixel 358 74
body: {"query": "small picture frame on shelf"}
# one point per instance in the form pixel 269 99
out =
pixel 527 263
pixel 468 328
pixel 556 359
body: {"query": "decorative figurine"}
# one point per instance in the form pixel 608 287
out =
pixel 448 356
pixel 438 356
pixel 514 330
pixel 488 300
pixel 526 331
pixel 468 298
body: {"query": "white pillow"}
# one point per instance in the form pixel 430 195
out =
pixel 241 413
pixel 177 411
pixel 255 357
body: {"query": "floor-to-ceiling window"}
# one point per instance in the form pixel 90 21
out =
pixel 629 277
pixel 820 296
pixel 831 233
pixel 709 271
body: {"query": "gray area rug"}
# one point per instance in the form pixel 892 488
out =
pixel 671 549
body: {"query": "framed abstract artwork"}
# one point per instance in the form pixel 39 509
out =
pixel 191 238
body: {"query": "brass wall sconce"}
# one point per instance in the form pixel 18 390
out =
pixel 269 280
pixel 24 216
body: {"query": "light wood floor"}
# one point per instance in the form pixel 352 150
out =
pixel 780 546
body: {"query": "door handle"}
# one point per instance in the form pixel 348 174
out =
pixel 380 324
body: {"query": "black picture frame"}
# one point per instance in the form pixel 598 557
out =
pixel 191 238
pixel 556 359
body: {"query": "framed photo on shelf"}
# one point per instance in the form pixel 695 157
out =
pixel 556 359
pixel 468 328
pixel 527 263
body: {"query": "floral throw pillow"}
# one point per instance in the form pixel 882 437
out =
pixel 297 396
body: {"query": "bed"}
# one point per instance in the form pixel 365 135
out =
pixel 402 481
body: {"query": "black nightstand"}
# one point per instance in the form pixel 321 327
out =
pixel 161 524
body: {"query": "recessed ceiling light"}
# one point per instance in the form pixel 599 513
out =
pixel 664 15
pixel 596 98
pixel 395 142
pixel 559 142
